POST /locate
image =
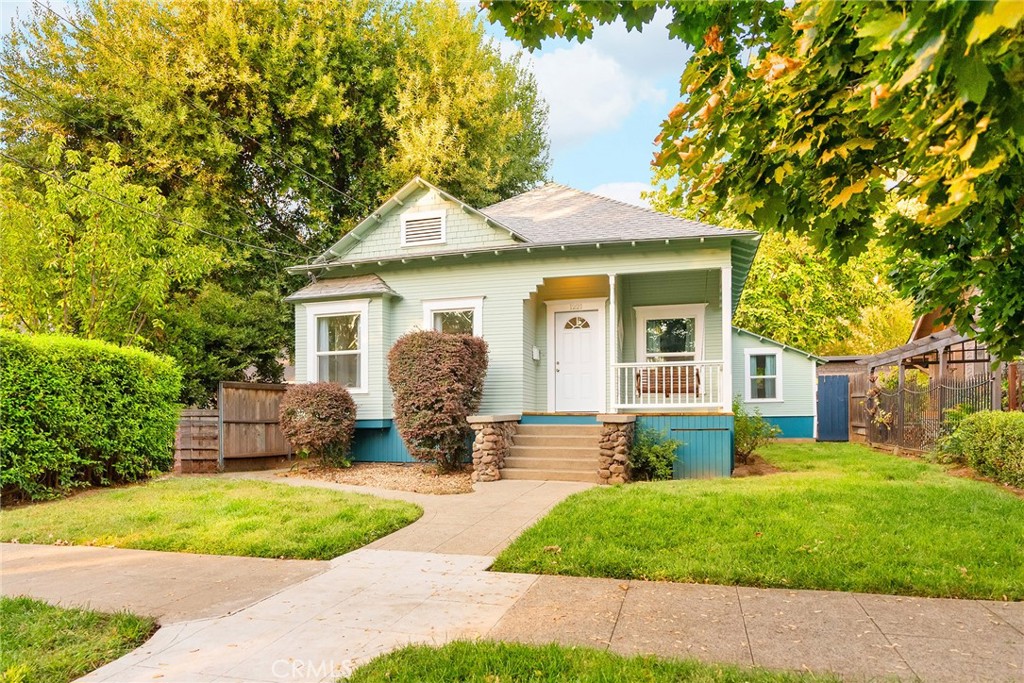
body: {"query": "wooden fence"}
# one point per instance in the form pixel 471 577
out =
pixel 196 449
pixel 241 434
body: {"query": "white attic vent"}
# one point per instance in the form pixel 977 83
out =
pixel 427 227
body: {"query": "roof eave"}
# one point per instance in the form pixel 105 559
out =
pixel 528 247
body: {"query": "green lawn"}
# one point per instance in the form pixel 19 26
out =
pixel 45 644
pixel 509 663
pixel 842 517
pixel 214 516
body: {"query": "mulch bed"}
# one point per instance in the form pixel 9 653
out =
pixel 414 477
pixel 756 466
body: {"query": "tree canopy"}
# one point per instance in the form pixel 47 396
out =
pixel 901 122
pixel 274 125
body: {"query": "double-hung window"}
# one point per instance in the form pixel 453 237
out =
pixel 670 333
pixel 337 339
pixel 763 375
pixel 454 316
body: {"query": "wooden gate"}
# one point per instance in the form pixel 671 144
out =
pixel 833 408
pixel 250 436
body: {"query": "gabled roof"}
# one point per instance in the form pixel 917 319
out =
pixel 556 214
pixel 356 234
pixel 769 340
pixel 552 216
pixel 342 287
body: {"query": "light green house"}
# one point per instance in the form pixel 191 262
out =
pixel 589 307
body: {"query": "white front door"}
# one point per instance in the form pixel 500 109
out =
pixel 579 367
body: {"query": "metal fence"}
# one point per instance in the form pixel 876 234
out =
pixel 915 416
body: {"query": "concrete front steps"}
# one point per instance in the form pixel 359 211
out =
pixel 554 453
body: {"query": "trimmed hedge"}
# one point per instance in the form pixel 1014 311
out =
pixel 75 412
pixel 991 443
pixel 438 381
pixel 319 420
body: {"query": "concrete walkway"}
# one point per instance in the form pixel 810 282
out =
pixel 479 523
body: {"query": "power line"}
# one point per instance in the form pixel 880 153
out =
pixel 50 174
pixel 212 113
pixel 48 102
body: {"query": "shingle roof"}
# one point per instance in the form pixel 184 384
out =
pixel 554 214
pixel 359 285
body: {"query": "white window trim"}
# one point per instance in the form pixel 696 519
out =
pixel 762 351
pixel 415 215
pixel 441 305
pixel 327 309
pixel 645 313
pixel 562 306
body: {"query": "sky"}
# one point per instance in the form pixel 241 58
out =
pixel 607 99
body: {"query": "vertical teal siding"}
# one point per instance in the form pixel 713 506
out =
pixel 707 448
pixel 379 444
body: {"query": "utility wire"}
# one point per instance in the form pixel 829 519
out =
pixel 239 211
pixel 189 102
pixel 51 174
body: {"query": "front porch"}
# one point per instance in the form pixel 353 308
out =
pixel 630 343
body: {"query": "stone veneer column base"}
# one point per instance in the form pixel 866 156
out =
pixel 492 443
pixel 616 441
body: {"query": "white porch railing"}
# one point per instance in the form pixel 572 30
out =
pixel 691 384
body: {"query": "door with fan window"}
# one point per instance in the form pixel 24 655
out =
pixel 579 367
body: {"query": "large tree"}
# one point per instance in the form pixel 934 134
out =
pixel 822 117
pixel 276 124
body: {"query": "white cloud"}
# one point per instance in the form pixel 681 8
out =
pixel 591 88
pixel 589 92
pixel 624 192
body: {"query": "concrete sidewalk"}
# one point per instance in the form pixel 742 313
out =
pixel 857 636
pixel 169 586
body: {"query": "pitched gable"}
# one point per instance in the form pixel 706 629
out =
pixel 419 219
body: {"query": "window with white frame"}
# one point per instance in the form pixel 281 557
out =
pixel 670 333
pixel 454 316
pixel 763 375
pixel 423 227
pixel 338 343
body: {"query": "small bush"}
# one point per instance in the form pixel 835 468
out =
pixel 438 381
pixel 653 454
pixel 75 412
pixel 991 443
pixel 948 449
pixel 751 432
pixel 319 420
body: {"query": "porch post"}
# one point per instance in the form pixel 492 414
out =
pixel 613 352
pixel 726 388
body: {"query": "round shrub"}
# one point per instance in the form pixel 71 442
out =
pixel 438 381
pixel 76 412
pixel 319 420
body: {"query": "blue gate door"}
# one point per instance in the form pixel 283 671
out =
pixel 833 408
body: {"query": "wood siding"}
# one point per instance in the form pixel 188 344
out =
pixel 513 287
pixel 707 443
pixel 799 378
pixel 462 231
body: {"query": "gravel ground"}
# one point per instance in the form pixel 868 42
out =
pixel 415 477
